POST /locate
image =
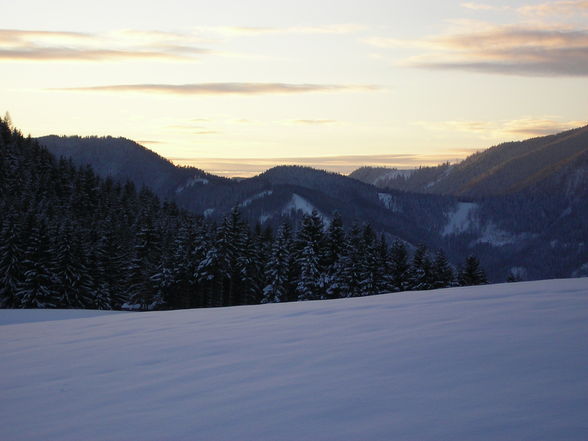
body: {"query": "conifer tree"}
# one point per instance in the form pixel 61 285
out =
pixel 471 273
pixel 278 268
pixel 421 269
pixel 442 273
pixel 36 289
pixel 399 267
pixel 309 281
pixel 11 269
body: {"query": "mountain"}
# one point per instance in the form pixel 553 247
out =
pixel 518 206
pixel 123 159
pixel 269 198
pixel 531 165
pixel 496 362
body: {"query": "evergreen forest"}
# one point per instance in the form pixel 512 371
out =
pixel 71 239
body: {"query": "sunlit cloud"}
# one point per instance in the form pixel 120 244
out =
pixel 32 45
pixel 19 37
pixel 313 122
pixel 556 8
pixel 150 142
pixel 73 54
pixel 514 50
pixel 484 7
pixel 504 130
pixel 539 127
pixel 337 29
pixel 224 88
pixel 567 7
pixel 245 167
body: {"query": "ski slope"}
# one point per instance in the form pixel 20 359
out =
pixel 498 362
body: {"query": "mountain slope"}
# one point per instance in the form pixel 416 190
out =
pixel 500 362
pixel 503 169
pixel 123 159
pixel 536 232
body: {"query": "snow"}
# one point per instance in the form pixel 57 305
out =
pixel 494 236
pixel 11 316
pixel 393 174
pixel 191 182
pixel 298 203
pixel 248 201
pixel 497 362
pixel 389 202
pixel 460 219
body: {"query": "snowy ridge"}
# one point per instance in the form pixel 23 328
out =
pixel 497 362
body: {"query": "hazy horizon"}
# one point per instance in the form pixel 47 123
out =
pixel 240 87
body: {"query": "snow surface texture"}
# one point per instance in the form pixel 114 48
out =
pixel 502 362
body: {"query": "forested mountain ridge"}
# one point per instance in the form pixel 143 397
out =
pixel 71 239
pixel 504 169
pixel 534 233
pixel 123 159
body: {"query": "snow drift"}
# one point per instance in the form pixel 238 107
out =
pixel 503 362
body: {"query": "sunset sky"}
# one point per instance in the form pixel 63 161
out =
pixel 235 87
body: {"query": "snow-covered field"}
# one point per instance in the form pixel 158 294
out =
pixel 503 362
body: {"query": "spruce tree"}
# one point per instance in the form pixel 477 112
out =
pixel 278 268
pixel 400 275
pixel 11 268
pixel 420 270
pixel 471 273
pixel 442 273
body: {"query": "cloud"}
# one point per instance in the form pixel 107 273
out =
pixel 507 129
pixel 337 29
pixel 566 7
pixel 484 7
pixel 149 142
pixel 312 122
pixel 529 127
pixel 33 45
pixel 20 37
pixel 73 54
pixel 510 50
pixel 245 167
pixel 223 88
pixel 556 8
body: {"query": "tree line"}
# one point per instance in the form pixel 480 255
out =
pixel 70 239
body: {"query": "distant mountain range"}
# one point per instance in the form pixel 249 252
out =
pixel 519 206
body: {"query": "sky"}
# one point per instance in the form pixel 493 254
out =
pixel 236 87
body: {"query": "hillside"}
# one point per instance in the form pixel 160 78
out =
pixel 500 362
pixel 535 232
pixel 504 169
pixel 123 159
